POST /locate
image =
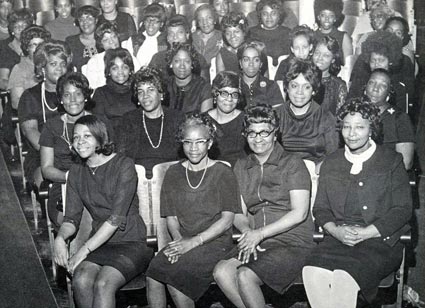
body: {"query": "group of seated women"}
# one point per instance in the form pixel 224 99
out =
pixel 266 135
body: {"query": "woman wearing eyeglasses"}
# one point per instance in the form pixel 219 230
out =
pixel 199 198
pixel 228 118
pixel 275 189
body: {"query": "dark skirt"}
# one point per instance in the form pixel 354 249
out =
pixel 130 258
pixel 367 262
pixel 280 265
pixel 31 163
pixel 192 273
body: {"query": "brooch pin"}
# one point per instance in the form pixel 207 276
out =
pixel 263 84
pixel 391 110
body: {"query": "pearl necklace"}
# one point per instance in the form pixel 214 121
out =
pixel 202 178
pixel 44 102
pixel 147 133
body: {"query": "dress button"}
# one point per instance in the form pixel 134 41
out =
pixel 365 207
pixel 361 184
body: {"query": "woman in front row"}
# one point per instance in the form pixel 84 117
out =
pixel 105 183
pixel 199 198
pixel 364 204
pixel 275 188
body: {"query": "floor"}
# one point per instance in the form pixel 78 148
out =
pixel 213 298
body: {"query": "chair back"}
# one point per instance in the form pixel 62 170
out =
pixel 346 70
pixel 273 69
pixel 243 7
pixel 352 7
pixel 188 10
pixel 348 24
pixel 80 3
pixel 43 17
pixel 294 6
pixel 18 4
pixel 40 5
pixel 213 69
pixel 132 4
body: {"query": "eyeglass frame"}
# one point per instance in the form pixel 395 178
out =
pixel 224 94
pixel 248 133
pixel 197 142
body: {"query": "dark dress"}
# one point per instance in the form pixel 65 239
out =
pixel 196 211
pixel 189 97
pixel 265 190
pixel 31 108
pixel 283 68
pixel 378 195
pixel 110 196
pixel 276 41
pixel 230 144
pixel 230 60
pixel 125 25
pixel 334 93
pixel 80 53
pixel 134 143
pixel 113 101
pixel 336 34
pixel 8 57
pixel 396 127
pixel 312 135
pixel 262 90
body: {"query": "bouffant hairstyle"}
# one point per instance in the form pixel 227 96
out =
pixel 206 7
pixel 87 10
pixel 196 119
pixel 79 81
pixel 100 132
pixel 333 46
pixel 46 49
pixel 179 20
pixel 305 67
pixel 112 54
pixel 366 109
pixel 196 67
pixel 383 43
pixel 274 5
pixel 101 30
pixel 149 75
pixel 234 19
pixel 404 23
pixel 260 113
pixel 31 32
pixel 155 10
pixel 225 79
pixel 302 30
pixel 335 6
pixel 14 17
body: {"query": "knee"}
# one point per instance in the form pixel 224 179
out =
pixel 82 280
pixel 223 271
pixel 103 284
pixel 246 276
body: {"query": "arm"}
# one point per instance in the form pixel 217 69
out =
pixel 407 150
pixel 347 46
pixel 48 169
pixel 4 78
pixel 30 131
pixel 219 63
pixel 15 95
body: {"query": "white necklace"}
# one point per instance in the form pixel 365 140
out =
pixel 147 133
pixel 202 178
pixel 44 102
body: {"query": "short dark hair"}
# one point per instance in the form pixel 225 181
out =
pixel 31 32
pixel 206 7
pixel 225 79
pixel 52 47
pixel 304 30
pixel 87 10
pixel 305 67
pixel 196 119
pixel 179 20
pixel 76 79
pixel 261 113
pixel 171 53
pixel 391 91
pixel 335 6
pixel 234 19
pixel 367 110
pixel 333 46
pixel 121 53
pixel 100 132
pixel 383 43
pixel 101 30
pixel 14 17
pixel 155 10
pixel 404 23
pixel 273 4
pixel 150 75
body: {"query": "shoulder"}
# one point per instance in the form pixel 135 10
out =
pixel 174 114
pixel 333 161
pixel 123 15
pixel 73 38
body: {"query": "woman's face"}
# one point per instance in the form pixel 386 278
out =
pixel 250 62
pixel 196 143
pixel 32 46
pixel 323 57
pixel 326 19
pixel 108 6
pixel 182 65
pixel 378 61
pixel 377 20
pixel 152 25
pixel 227 104
pixel 18 27
pixel 221 7
pixel 5 9
pixel 356 132
pixel 300 91
pixel 177 34
pixel 120 72
pixel 234 36
pixel 397 28
pixel 55 68
pixel 270 18
pixel 378 88
pixel 301 47
pixel 261 146
pixel 148 97
pixel 73 100
pixel 110 40
pixel 83 141
pixel 63 8
pixel 87 23
pixel 206 22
